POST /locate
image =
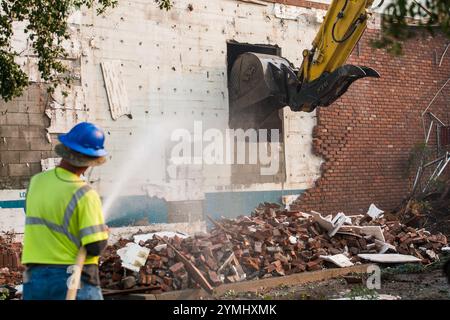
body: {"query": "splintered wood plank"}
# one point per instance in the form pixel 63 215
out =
pixel 256 285
pixel 191 269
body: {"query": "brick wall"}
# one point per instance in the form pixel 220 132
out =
pixel 23 141
pixel 365 138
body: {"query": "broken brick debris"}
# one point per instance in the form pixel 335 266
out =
pixel 10 267
pixel 271 242
pixel 197 276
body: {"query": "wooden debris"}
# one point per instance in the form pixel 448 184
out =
pixel 193 271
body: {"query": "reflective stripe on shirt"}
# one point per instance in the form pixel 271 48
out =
pixel 68 213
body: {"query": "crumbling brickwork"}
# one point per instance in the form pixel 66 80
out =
pixel 366 137
pixel 23 138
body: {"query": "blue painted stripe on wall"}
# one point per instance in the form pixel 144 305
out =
pixel 12 204
pixel 127 210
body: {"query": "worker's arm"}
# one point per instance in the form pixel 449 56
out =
pixel 96 248
pixel 93 232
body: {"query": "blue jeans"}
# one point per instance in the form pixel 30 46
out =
pixel 50 283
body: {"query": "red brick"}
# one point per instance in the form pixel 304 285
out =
pixel 177 267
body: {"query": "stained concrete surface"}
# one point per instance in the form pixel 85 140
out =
pixel 430 285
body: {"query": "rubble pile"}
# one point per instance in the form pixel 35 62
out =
pixel 431 212
pixel 271 242
pixel 10 277
pixel 10 268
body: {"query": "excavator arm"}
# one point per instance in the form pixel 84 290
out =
pixel 323 77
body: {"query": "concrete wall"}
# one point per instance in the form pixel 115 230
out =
pixel 180 58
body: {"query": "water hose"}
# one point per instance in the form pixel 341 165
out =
pixel 74 280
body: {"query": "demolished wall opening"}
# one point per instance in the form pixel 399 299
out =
pixel 255 117
pixel 259 115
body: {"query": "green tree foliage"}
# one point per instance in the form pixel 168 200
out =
pixel 46 28
pixel 431 15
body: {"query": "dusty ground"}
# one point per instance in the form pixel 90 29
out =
pixel 407 284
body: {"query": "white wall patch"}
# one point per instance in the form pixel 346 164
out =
pixel 49 163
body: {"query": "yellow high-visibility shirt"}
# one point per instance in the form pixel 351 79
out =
pixel 62 214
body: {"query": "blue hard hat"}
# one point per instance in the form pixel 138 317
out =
pixel 85 138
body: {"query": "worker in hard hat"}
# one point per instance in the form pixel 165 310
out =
pixel 63 213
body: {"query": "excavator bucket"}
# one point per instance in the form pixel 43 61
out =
pixel 256 78
pixel 328 87
pixel 261 79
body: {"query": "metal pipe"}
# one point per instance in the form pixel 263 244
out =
pixel 433 162
pixel 435 96
pixel 445 165
pixel 429 132
pixel 416 180
pixel 431 177
pixel 435 175
pixel 431 114
pixel 443 55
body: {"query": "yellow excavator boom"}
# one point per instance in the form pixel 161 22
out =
pixel 343 26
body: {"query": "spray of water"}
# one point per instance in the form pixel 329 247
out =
pixel 141 155
pixel 142 159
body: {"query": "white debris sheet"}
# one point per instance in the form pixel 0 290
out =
pixel 338 259
pixel 374 212
pixel 388 258
pixel 133 256
pixel 332 225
